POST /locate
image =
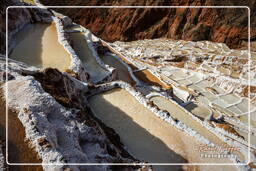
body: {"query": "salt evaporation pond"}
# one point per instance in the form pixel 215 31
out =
pixel 38 45
pixel 147 137
pixel 79 43
pixel 176 112
pixel 181 115
pixel 122 72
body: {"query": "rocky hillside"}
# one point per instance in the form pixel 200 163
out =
pixel 218 25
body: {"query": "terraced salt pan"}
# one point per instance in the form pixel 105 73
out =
pixel 208 68
pixel 184 82
pixel 195 87
pixel 198 110
pixel 180 114
pixel 144 75
pixel 253 116
pixel 203 84
pixel 145 136
pixel 79 43
pixel 206 97
pixel 179 74
pixel 234 109
pixel 122 71
pixel 209 96
pixel 203 100
pixel 197 52
pixel 243 106
pixel 38 45
pixel 230 98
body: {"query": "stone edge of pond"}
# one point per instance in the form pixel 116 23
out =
pixel 162 114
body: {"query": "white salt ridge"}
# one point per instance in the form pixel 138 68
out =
pixel 76 64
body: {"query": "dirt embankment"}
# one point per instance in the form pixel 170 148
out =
pixel 19 150
pixel 218 25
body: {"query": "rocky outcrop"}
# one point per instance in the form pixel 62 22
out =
pixel 219 25
pixel 17 19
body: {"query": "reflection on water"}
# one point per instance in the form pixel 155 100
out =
pixel 38 45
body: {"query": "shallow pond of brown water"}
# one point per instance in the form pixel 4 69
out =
pixel 37 45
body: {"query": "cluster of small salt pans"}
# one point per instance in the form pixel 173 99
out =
pixel 210 53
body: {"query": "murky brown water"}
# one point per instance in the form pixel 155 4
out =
pixel 38 45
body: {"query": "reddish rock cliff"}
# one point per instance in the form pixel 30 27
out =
pixel 218 25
